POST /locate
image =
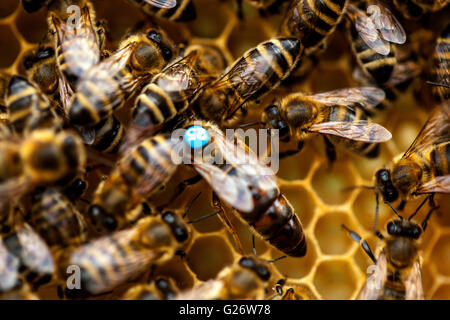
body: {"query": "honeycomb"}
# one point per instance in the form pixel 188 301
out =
pixel 334 266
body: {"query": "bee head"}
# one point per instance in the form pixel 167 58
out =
pixel 101 220
pixel 406 175
pixel 384 185
pixel 177 226
pixel 76 189
pixel 404 228
pixel 273 119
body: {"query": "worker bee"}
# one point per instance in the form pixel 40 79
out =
pixel 78 41
pixel 249 187
pixel 247 279
pixel 137 174
pixel 161 288
pixel 440 73
pixel 27 255
pixel 342 116
pixel 371 40
pixel 105 87
pixel 312 21
pixel 170 93
pixel 45 157
pixel 425 167
pixel 174 10
pixel 397 274
pixel 56 219
pixel 293 291
pixel 113 259
pixel 256 73
pixel 28 108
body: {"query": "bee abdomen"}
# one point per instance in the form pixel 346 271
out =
pixel 440 159
pixel 183 11
pixel 108 135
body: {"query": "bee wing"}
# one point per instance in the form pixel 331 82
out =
pixel 439 184
pixel 9 269
pixel 435 130
pixel 365 97
pixel 361 130
pixel 209 290
pixel 164 4
pixel 413 284
pixel 13 187
pixel 387 24
pixel 103 256
pixel 367 30
pixel 374 286
pixel 35 253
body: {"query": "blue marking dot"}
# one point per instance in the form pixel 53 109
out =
pixel 196 137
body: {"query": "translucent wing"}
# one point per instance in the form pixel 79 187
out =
pixel 368 31
pixel 361 130
pixel 242 171
pixel 413 284
pixel 209 290
pixel 435 130
pixel 439 184
pixel 164 4
pixel 35 253
pixel 389 27
pixel 403 72
pixel 374 286
pixel 103 256
pixel 365 97
pixel 9 269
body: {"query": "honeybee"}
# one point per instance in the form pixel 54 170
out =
pixel 415 9
pixel 440 73
pixel 170 93
pixel 397 273
pixel 56 219
pixel 27 255
pixel 342 116
pixel 293 292
pixel 312 21
pixel 111 260
pixel 425 167
pixel 175 10
pixel 249 187
pixel 78 40
pixel 371 40
pixel 106 86
pixel 28 108
pixel 45 157
pixel 137 174
pixel 256 73
pixel 247 279
pixel 161 288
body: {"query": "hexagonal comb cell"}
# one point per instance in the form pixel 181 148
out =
pixel 7 7
pixel 331 237
pixel 441 255
pixel 335 280
pixel 32 27
pixel 9 41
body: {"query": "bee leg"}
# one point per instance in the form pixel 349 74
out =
pixel 330 150
pixel 425 221
pixel 227 220
pixel 356 237
pixel 401 206
pixel 60 292
pixel 288 153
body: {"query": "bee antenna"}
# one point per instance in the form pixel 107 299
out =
pixel 276 259
pixel 188 206
pixel 204 217
pixel 438 84
pixel 251 124
pixel 254 245
pixel 395 211
pixel 349 188
pixel 419 207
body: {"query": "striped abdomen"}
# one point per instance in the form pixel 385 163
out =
pixel 100 94
pixel 341 113
pixel 77 48
pixel 312 21
pixel 377 66
pixel 57 220
pixel 26 106
pixel 167 96
pixel 183 11
pixel 260 70
pixel 108 135
pixel 440 159
pixel 441 65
